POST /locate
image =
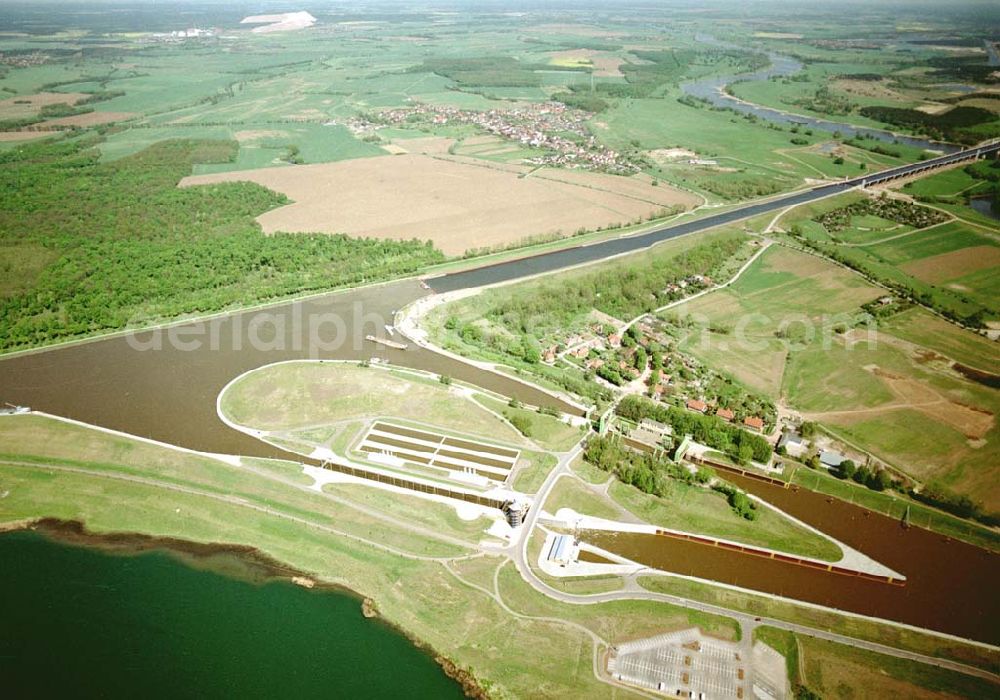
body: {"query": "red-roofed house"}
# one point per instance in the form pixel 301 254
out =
pixel 696 405
pixel 725 414
pixel 754 423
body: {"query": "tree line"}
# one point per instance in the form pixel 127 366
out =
pixel 716 433
pixel 652 473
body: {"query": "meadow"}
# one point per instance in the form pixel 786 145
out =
pixel 947 262
pixel 900 398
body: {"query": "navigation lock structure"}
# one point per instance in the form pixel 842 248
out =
pixel 601 351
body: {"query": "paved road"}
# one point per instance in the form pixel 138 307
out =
pixel 567 257
pixel 519 553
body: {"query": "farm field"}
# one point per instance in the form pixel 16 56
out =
pixel 163 165
pixel 783 288
pixel 457 205
pixel 900 397
pixel 946 184
pixel 949 264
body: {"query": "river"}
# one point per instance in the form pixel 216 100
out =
pixel 713 90
pixel 82 622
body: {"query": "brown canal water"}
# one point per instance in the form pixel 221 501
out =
pixel 951 586
pixel 169 393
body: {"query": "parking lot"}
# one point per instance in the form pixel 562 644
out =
pixel 684 664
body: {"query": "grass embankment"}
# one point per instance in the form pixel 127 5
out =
pixel 306 394
pixel 548 431
pixel 828 620
pixel 829 669
pixel 435 516
pixel 691 509
pixel 619 620
pixel 199 485
pixel 215 503
pixel 537 465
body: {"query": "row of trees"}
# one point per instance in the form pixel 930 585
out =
pixel 648 473
pixel 875 479
pixel 651 474
pixel 620 290
pixel 962 124
pixel 708 430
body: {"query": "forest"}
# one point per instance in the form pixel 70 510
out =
pixel 622 291
pixel 964 125
pixel 134 247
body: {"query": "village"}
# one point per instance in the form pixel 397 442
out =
pixel 643 358
pixel 547 125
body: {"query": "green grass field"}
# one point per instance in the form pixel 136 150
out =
pixel 690 509
pixel 294 395
pixel 946 184
pixel 782 289
pixel 900 399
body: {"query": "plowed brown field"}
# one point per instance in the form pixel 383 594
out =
pixel 456 204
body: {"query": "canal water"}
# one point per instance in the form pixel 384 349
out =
pixel 951 586
pixel 81 622
pixel 169 393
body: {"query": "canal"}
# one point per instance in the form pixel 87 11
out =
pixel 950 586
pixel 169 394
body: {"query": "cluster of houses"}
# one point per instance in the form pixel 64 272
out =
pixel 647 351
pixel 184 34
pixel 754 423
pixel 24 60
pixel 549 125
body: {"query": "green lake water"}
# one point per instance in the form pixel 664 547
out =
pixel 82 622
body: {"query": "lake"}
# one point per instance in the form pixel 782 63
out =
pixel 81 622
